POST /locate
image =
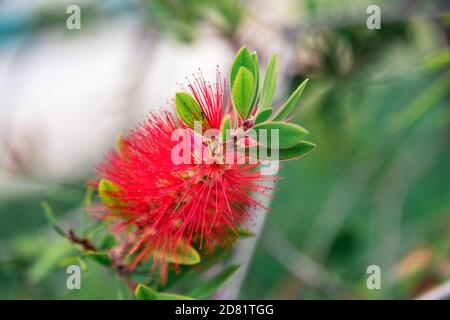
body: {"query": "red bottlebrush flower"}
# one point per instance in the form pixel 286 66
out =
pixel 165 205
pixel 211 99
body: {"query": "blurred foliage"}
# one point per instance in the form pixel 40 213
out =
pixel 178 18
pixel 375 191
pixel 184 18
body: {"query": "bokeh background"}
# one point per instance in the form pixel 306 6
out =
pixel 375 191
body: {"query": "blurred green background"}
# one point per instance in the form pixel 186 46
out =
pixel 375 191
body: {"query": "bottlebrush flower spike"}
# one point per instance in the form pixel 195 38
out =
pixel 167 204
pixel 164 206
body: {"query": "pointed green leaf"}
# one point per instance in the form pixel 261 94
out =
pixel 243 59
pixel 87 200
pixel 67 261
pixel 189 110
pixel 289 134
pixel 290 103
pixel 100 257
pixel 249 61
pixel 107 242
pixel 295 151
pixel 52 220
pixel 144 293
pixel 171 296
pixel 82 264
pixel 255 73
pixel 208 288
pixel 270 83
pixel 263 115
pixel 242 92
pixel 184 255
pixel 225 126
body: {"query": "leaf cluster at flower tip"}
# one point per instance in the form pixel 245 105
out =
pixel 252 109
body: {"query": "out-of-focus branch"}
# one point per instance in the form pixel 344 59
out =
pixel 119 267
pixel 297 263
pixel 83 242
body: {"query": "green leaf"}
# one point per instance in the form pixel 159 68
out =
pixel 208 288
pixel 144 293
pixel 243 59
pixel 87 200
pixel 244 233
pixel 82 264
pixel 225 126
pixel 263 115
pixel 107 242
pixel 243 92
pixel 295 151
pixel 249 61
pixel 171 296
pixel 420 104
pixel 49 260
pixel 184 255
pixel 255 73
pixel 67 261
pixel 28 246
pixel 289 134
pixel 290 103
pixel 270 83
pixel 51 218
pixel 106 191
pixel 189 110
pixel 99 257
